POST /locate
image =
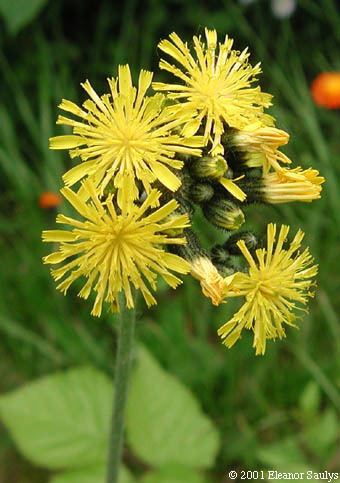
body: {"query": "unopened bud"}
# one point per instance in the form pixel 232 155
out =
pixel 201 192
pixel 219 255
pixel 248 237
pixel 209 167
pixel 223 214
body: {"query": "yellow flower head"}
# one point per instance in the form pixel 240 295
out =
pixel 260 146
pixel 296 184
pixel 278 280
pixel 114 249
pixel 124 136
pixel 215 88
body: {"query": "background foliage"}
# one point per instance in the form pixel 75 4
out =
pixel 278 411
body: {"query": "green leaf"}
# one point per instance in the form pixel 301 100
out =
pixel 61 421
pixel 18 13
pixel 91 475
pixel 310 398
pixel 323 432
pixel 173 474
pixel 165 424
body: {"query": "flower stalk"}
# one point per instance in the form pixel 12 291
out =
pixel 127 319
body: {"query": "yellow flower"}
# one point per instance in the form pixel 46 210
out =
pixel 216 86
pixel 115 249
pixel 296 184
pixel 260 146
pixel 124 136
pixel 277 281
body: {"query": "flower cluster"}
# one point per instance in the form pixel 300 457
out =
pixel 148 160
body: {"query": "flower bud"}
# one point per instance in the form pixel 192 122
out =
pixel 209 167
pixel 219 255
pixel 201 192
pixel 223 214
pixel 248 237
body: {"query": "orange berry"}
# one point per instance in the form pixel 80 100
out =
pixel 48 200
pixel 325 90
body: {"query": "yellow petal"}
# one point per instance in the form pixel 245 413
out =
pixel 166 177
pixel 54 258
pixel 191 127
pixel 162 212
pixel 233 189
pixel 124 77
pixel 176 263
pixel 75 201
pixel 58 236
pixel 66 142
pixel 79 171
pixel 71 107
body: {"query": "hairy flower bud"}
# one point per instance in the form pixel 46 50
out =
pixel 224 214
pixel 248 237
pixel 209 167
pixel 219 255
pixel 201 192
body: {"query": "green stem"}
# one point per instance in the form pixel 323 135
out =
pixel 122 370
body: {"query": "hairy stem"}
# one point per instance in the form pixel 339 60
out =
pixel 121 381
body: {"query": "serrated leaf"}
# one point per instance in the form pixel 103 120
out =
pixel 165 424
pixel 173 474
pixel 61 421
pixel 18 13
pixel 91 475
pixel 310 398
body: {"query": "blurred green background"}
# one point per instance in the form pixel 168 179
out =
pixel 283 405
